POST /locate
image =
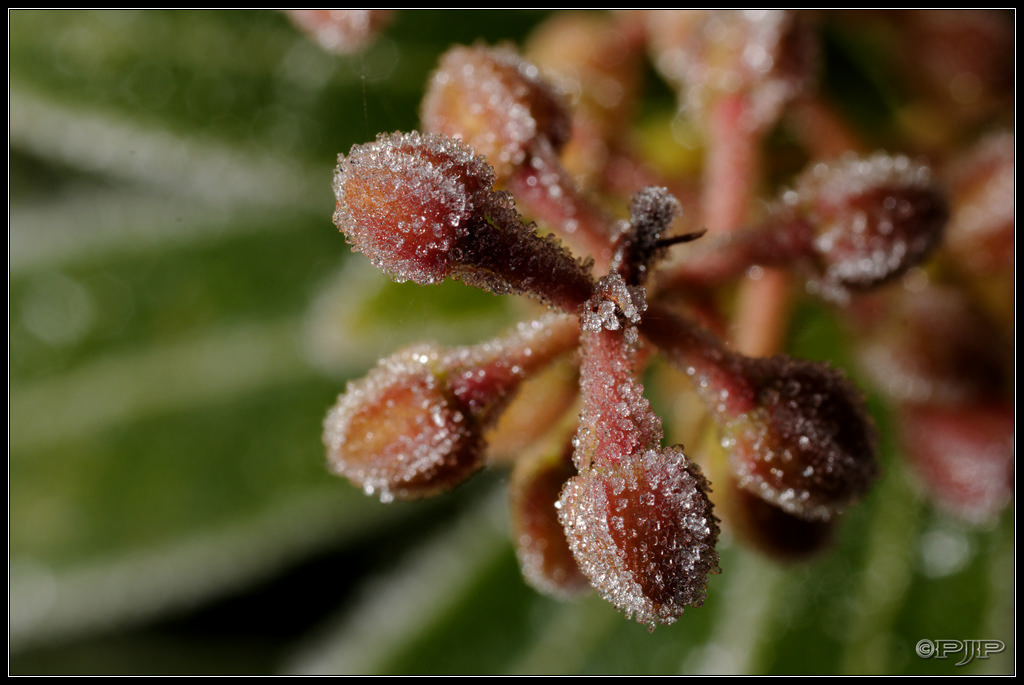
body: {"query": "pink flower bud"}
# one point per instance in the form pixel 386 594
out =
pixel 643 532
pixel 765 56
pixel 415 424
pixel 871 219
pixel 797 432
pixel 541 547
pixel 400 432
pixel 496 102
pixel 344 32
pixel 422 208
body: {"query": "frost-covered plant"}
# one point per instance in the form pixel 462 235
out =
pixel 515 188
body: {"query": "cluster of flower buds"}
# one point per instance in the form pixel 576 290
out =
pixel 484 195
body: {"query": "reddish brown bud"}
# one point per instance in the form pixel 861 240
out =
pixel 637 516
pixel 765 56
pixel 400 432
pixel 849 226
pixel 415 425
pixel 806 444
pixel 541 547
pixel 406 200
pixel 643 531
pixel 496 102
pixel 871 219
pixel 422 208
pixel 963 455
pixel 797 432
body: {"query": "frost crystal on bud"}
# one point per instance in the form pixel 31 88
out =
pixel 807 444
pixel 497 103
pixel 542 549
pixel 406 200
pixel 422 208
pixel 637 516
pixel 797 432
pixel 399 432
pixel 767 55
pixel 872 219
pixel 643 531
pixel 415 424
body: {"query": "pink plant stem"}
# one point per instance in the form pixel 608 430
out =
pixel 547 192
pixel 497 368
pixel 733 169
pixel 703 358
pixel 608 388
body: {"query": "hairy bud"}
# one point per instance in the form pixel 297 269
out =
pixel 643 531
pixel 415 424
pixel 871 219
pixel 637 516
pixel 541 546
pixel 497 102
pixel 422 208
pixel 797 432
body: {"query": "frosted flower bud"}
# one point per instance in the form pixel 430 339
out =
pixel 805 442
pixel 767 56
pixel 423 208
pixel 407 200
pixel 498 103
pixel 848 226
pixel 415 424
pixel 597 60
pixel 399 432
pixel 495 101
pixel 963 455
pixel 871 219
pixel 544 556
pixel 643 532
pixel 797 432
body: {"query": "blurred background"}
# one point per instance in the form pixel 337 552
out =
pixel 182 312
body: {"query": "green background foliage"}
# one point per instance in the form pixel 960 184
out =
pixel 181 314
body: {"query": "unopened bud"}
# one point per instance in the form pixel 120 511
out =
pixel 542 549
pixel 871 219
pixel 344 32
pixel 764 56
pixel 415 424
pixel 643 531
pixel 422 208
pixel 797 432
pixel 497 103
